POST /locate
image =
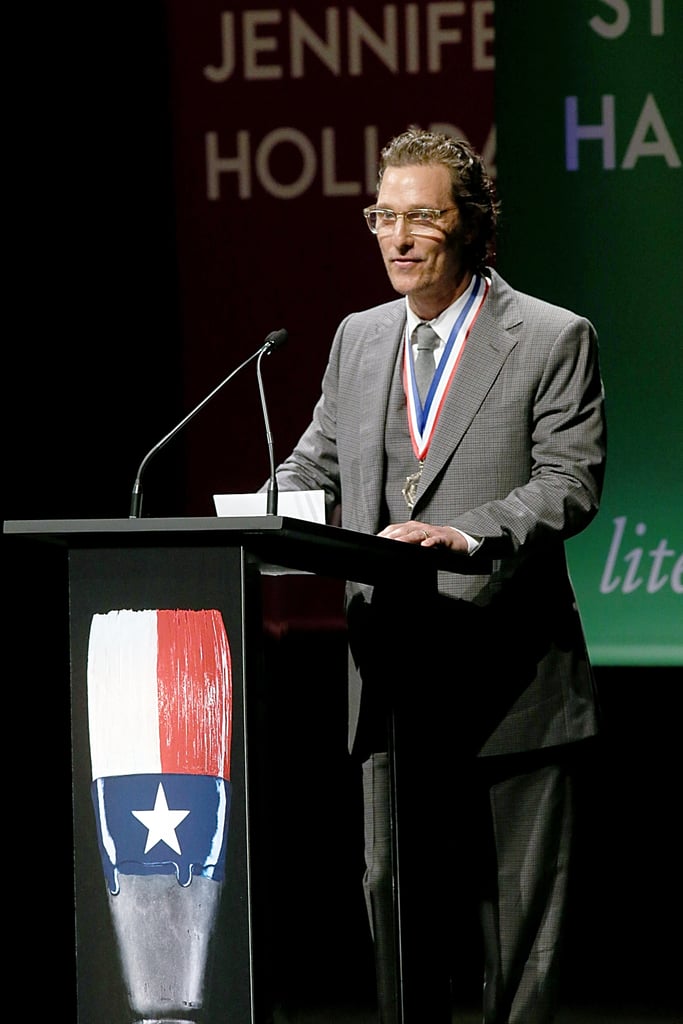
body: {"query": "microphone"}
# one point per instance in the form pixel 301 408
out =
pixel 273 341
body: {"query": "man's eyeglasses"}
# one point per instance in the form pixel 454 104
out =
pixel 382 221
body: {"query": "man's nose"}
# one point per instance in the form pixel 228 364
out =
pixel 401 226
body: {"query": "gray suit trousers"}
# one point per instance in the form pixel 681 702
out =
pixel 502 825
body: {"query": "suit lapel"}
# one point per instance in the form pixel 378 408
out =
pixel 380 350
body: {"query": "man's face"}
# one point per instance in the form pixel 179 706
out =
pixel 423 262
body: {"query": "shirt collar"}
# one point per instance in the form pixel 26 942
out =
pixel 443 323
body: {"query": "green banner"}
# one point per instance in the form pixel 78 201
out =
pixel 590 140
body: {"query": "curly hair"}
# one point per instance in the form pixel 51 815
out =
pixel 471 186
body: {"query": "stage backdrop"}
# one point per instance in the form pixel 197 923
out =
pixel 279 114
pixel 590 140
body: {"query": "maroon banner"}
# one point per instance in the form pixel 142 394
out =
pixel 279 116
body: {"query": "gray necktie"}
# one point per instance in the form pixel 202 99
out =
pixel 426 339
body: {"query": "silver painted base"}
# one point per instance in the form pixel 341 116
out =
pixel 163 933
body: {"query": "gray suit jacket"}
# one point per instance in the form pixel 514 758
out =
pixel 517 458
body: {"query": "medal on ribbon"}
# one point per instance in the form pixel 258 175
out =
pixel 409 489
pixel 422 419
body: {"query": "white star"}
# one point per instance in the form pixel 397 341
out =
pixel 161 823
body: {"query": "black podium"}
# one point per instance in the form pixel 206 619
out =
pixel 122 575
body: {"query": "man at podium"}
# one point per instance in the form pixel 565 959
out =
pixel 496 449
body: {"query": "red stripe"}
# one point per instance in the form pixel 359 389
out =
pixel 194 679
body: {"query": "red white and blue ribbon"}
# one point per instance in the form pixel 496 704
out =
pixel 422 419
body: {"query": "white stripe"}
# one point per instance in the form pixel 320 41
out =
pixel 123 711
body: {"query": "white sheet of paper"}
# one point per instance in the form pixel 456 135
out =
pixel 309 505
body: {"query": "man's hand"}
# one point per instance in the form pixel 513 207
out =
pixel 414 532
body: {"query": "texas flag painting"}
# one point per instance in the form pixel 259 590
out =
pixel 160 727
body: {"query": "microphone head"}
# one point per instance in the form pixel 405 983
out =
pixel 275 339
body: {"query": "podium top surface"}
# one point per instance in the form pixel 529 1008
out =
pixel 272 540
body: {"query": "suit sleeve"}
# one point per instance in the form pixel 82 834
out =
pixel 566 453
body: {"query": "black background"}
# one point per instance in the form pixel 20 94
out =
pixel 91 292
